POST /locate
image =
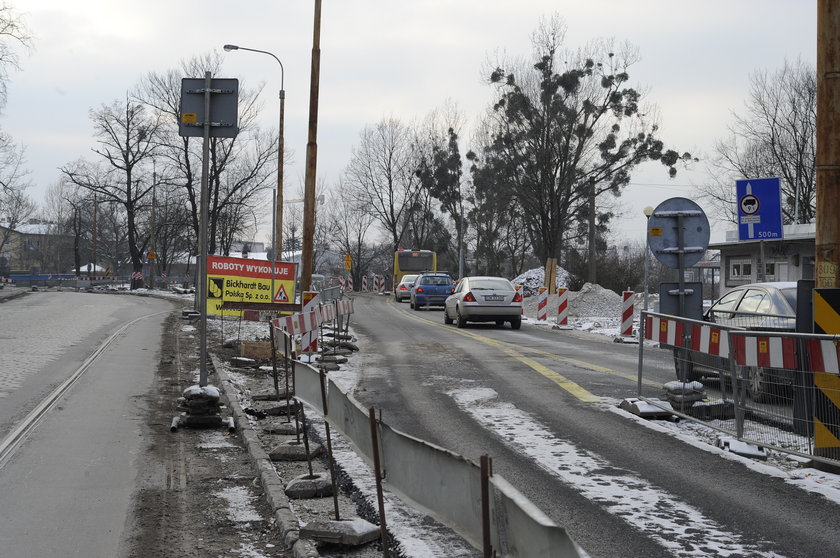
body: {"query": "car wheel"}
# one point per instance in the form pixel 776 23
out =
pixel 411 303
pixel 758 384
pixel 461 321
pixel 416 306
pixel 516 323
pixel 446 319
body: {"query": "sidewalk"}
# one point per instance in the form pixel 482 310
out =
pixel 10 293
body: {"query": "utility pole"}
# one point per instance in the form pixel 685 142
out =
pixel 592 278
pixel 153 262
pixel 828 145
pixel 308 256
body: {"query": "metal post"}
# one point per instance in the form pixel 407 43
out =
pixel 201 288
pixel 377 471
pixel 152 266
pixel 828 146
pixel 592 267
pixel 648 211
pixel 322 377
pixel 308 256
pixel 642 318
pixel 486 473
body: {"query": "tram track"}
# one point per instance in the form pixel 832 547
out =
pixel 13 440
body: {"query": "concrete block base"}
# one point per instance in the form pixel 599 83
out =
pixel 292 451
pixel 304 486
pixel 284 429
pixel 354 532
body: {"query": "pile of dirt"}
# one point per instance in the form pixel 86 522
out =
pixel 533 279
pixel 594 300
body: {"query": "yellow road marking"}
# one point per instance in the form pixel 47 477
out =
pixel 573 388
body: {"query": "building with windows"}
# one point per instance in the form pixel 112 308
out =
pixel 779 259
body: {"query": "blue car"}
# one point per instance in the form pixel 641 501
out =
pixel 431 289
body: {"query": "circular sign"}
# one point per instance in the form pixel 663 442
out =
pixel 664 234
pixel 749 204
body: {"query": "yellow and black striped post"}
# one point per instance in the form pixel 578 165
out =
pixel 827 382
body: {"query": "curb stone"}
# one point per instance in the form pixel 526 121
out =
pixel 287 522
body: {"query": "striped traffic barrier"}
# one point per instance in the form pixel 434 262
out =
pixel 627 309
pixel 309 339
pixel 563 308
pixel 350 283
pixel 342 283
pixel 364 284
pixel 381 285
pixel 519 290
pixel 542 304
pixel 765 352
pixel 664 330
pixel 709 340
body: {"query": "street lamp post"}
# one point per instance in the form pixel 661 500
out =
pixel 278 204
pixel 648 211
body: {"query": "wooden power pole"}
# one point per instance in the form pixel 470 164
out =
pixel 828 145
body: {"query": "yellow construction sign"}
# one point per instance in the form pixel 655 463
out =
pixel 245 280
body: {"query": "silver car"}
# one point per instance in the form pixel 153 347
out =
pixel 403 289
pixel 757 306
pixel 484 299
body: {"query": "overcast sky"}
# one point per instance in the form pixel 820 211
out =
pixel 398 58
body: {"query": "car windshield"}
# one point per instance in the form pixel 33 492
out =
pixel 436 280
pixel 490 284
pixel 408 278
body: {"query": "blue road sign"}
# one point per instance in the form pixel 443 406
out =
pixel 759 208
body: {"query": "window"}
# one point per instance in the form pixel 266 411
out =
pixel 752 300
pixel 740 268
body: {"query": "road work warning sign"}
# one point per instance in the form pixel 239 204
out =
pixel 244 280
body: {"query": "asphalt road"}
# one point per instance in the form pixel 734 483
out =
pixel 537 402
pixel 67 488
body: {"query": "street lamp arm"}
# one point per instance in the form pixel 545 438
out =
pixel 237 47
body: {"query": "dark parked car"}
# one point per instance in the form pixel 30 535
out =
pixel 757 306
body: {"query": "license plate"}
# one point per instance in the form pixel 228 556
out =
pixel 490 298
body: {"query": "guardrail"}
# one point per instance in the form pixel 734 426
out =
pixel 770 388
pixel 482 507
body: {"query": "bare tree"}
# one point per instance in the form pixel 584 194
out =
pixel 775 136
pixel 128 136
pixel 381 175
pixel 13 32
pixel 349 226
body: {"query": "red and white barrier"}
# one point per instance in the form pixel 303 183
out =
pixel 364 284
pixel 823 355
pixel 563 307
pixel 710 340
pixel 519 290
pixel 663 330
pixel 382 285
pixel 766 352
pixel 350 283
pixel 627 310
pixel 344 306
pixel 341 283
pixel 542 304
pixel 309 339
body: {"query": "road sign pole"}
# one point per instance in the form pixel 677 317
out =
pixel 201 291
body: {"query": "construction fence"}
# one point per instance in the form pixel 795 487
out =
pixel 481 506
pixel 750 379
